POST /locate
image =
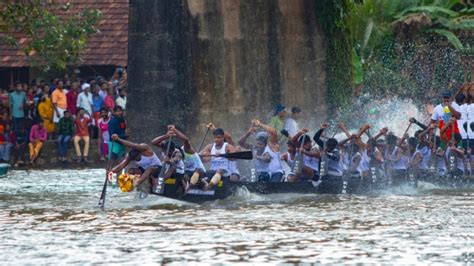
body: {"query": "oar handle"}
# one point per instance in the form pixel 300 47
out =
pixel 203 139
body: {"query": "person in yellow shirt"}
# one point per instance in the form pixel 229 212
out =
pixel 46 112
pixel 59 101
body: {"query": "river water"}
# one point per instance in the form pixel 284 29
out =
pixel 51 217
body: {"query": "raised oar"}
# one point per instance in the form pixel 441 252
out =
pixel 107 170
pixel 243 155
pixel 203 139
pixel 160 186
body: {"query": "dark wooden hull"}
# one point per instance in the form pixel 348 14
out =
pixel 328 185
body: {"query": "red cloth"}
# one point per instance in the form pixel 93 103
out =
pixel 447 136
pixel 71 97
pixel 82 126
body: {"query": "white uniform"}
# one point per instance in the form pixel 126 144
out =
pixel 219 163
pixel 192 162
pixel 149 161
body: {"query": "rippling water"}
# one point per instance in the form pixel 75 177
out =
pixel 51 217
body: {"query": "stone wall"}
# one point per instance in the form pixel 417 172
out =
pixel 226 61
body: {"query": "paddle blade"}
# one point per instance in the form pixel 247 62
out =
pixel 243 155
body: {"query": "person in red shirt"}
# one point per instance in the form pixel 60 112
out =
pixel 71 97
pixel 82 133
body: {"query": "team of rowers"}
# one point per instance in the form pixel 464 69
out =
pixel 440 147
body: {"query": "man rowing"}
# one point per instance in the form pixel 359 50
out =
pixel 309 156
pixel 172 157
pixel 219 165
pixel 194 170
pixel 148 163
pixel 267 152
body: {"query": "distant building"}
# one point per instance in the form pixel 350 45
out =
pixel 106 50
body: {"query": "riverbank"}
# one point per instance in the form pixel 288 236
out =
pixel 48 158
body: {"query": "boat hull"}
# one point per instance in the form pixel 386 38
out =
pixel 328 185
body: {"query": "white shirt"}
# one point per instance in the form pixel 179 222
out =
pixel 122 102
pixel 85 101
pixel 439 113
pixel 291 126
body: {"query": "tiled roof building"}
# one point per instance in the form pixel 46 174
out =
pixel 108 47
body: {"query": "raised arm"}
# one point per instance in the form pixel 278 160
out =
pixel 418 123
pixel 139 147
pixel 243 140
pixel 272 133
pixel 158 140
pixel 344 129
pixel 188 148
pixel 317 136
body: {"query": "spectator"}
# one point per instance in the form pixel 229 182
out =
pixel 17 106
pixel 82 133
pixel 117 126
pixel 71 97
pixel 65 133
pixel 109 102
pixel 46 112
pixel 4 97
pixel 19 150
pixel 277 121
pixel 104 88
pixel 121 99
pixel 97 104
pixel 291 124
pixel 4 112
pixel 7 138
pixel 59 102
pixel 104 136
pixel 38 136
pixel 84 99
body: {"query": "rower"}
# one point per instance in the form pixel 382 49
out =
pixel 267 152
pixel 219 165
pixel 149 165
pixel 396 167
pixel 290 156
pixel 172 157
pixel 310 157
pixel 194 170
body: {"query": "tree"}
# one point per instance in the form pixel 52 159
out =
pixel 54 41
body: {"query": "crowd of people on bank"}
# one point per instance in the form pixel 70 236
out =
pixel 70 108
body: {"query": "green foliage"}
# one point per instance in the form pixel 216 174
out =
pixel 55 42
pixel 333 19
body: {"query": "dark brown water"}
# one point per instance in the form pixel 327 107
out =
pixel 51 217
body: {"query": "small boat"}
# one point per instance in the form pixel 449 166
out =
pixel 4 167
pixel 328 185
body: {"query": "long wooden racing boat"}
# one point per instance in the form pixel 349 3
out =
pixel 328 185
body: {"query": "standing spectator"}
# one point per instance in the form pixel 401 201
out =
pixel 121 99
pixel 19 150
pixel 7 139
pixel 59 102
pixel 104 136
pixel 104 88
pixel 4 97
pixel 82 133
pixel 109 102
pixel 84 99
pixel 97 104
pixel 38 136
pixel 117 126
pixel 291 123
pixel 65 133
pixel 71 97
pixel 278 120
pixel 17 105
pixel 46 112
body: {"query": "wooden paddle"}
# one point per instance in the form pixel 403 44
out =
pixel 107 170
pixel 243 155
pixel 160 186
pixel 203 139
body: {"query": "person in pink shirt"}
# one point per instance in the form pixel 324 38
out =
pixel 38 135
pixel 104 136
pixel 109 101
